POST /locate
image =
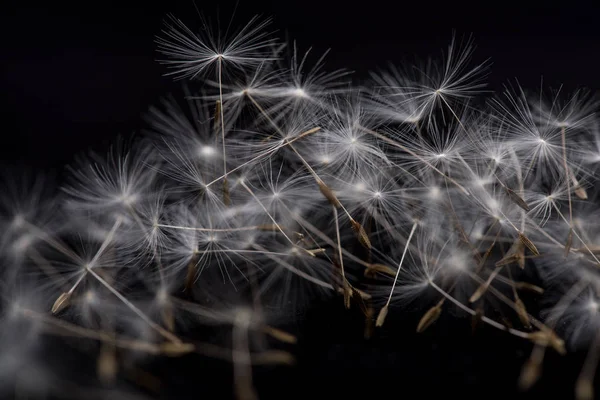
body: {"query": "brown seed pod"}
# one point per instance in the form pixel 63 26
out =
pixel 176 349
pixel 107 365
pixel 274 357
pixel 522 313
pixel 347 294
pixel 430 317
pixel 515 255
pixel 518 200
pixel 584 389
pixel 381 316
pixel 62 302
pixel 328 193
pixel 476 319
pixel 530 373
pixel 361 233
pixel 280 335
pixel 529 287
pixel 581 192
pixel 479 292
pixel 548 338
pixel 372 270
pixel 529 244
pixel 569 242
pixel 167 316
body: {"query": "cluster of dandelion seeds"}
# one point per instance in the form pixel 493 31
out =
pixel 278 183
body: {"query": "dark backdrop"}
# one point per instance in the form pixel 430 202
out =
pixel 74 77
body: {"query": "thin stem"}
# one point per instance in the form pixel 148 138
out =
pixel 585 381
pixel 107 241
pixel 577 235
pixel 222 122
pixel 339 242
pixel 190 228
pixel 163 332
pixel 485 319
pixel 242 362
pixel 61 247
pixel 266 211
pixel 102 336
pixel 566 166
pixel 294 270
pixel 412 231
pixel 265 154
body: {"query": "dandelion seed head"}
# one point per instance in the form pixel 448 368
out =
pixel 481 182
pixel 477 234
pixel 494 205
pixel 458 261
pixel 435 193
pixel 18 221
pixel 90 297
pixel 299 92
pixel 162 295
pixel 207 151
pixel 128 199
pixel 593 306
pixel 23 243
pixel 360 186
pixel 16 308
pixel 243 316
pixel 325 160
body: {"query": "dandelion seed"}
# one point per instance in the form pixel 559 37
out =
pixel 381 316
pixel 529 244
pixel 191 54
pixel 517 199
pixel 584 389
pixel 176 349
pixel 547 338
pixel 361 233
pixel 430 317
pixel 522 313
pixel 476 319
pixel 530 374
pixel 61 302
pixel 107 365
pixel 373 269
pixel 280 335
pixel 529 287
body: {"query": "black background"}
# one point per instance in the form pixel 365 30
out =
pixel 74 77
